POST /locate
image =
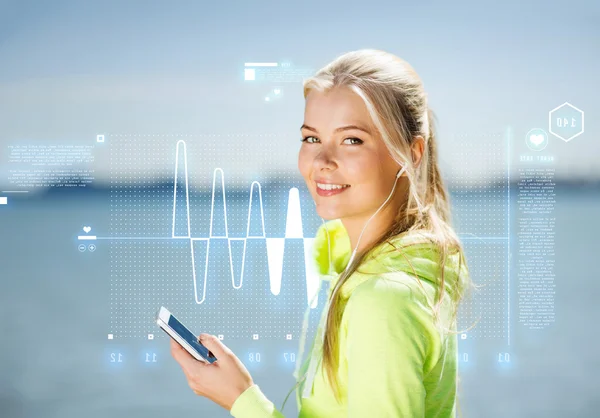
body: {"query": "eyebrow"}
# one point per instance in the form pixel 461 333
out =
pixel 341 128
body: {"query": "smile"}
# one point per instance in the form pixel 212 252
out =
pixel 331 189
pixel 331 186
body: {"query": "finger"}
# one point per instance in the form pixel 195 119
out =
pixel 180 354
pixel 215 345
pixel 175 348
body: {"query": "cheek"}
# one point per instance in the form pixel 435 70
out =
pixel 304 163
pixel 361 170
pixel 369 179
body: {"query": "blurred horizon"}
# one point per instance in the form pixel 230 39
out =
pixel 99 186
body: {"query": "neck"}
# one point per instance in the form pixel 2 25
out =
pixel 378 225
pixel 373 231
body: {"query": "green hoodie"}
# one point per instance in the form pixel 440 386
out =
pixel 393 360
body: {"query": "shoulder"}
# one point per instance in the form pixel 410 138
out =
pixel 391 312
pixel 389 295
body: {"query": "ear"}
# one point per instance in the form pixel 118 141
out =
pixel 417 149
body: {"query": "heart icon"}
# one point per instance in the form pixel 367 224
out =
pixel 87 229
pixel 277 91
pixel 536 139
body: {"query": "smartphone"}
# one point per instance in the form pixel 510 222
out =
pixel 176 330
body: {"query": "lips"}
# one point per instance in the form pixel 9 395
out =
pixel 335 191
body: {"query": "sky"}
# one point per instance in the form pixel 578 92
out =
pixel 72 69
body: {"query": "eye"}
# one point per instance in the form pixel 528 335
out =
pixel 360 141
pixel 305 139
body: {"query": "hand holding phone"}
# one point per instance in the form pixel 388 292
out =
pixel 176 330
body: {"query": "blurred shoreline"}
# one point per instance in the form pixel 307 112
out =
pixel 75 187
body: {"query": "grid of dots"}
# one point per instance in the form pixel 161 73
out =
pixel 147 274
pixel 480 213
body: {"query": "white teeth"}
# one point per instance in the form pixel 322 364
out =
pixel 331 186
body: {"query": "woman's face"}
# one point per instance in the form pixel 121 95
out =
pixel 342 147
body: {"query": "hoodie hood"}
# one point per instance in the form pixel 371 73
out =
pixel 411 252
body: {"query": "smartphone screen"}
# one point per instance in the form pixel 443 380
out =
pixel 191 339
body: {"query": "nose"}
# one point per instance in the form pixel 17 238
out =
pixel 325 159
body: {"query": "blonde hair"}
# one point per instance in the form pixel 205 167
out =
pixel 397 103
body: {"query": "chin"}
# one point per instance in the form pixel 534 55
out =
pixel 329 213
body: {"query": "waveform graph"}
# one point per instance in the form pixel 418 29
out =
pixel 232 256
pixel 236 246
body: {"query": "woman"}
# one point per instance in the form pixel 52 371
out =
pixel 386 345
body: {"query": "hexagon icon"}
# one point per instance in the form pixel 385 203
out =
pixel 565 121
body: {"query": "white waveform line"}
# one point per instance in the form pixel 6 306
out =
pixel 187 196
pixel 275 246
pixel 262 217
pixel 212 204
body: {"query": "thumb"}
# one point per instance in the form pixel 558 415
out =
pixel 214 345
